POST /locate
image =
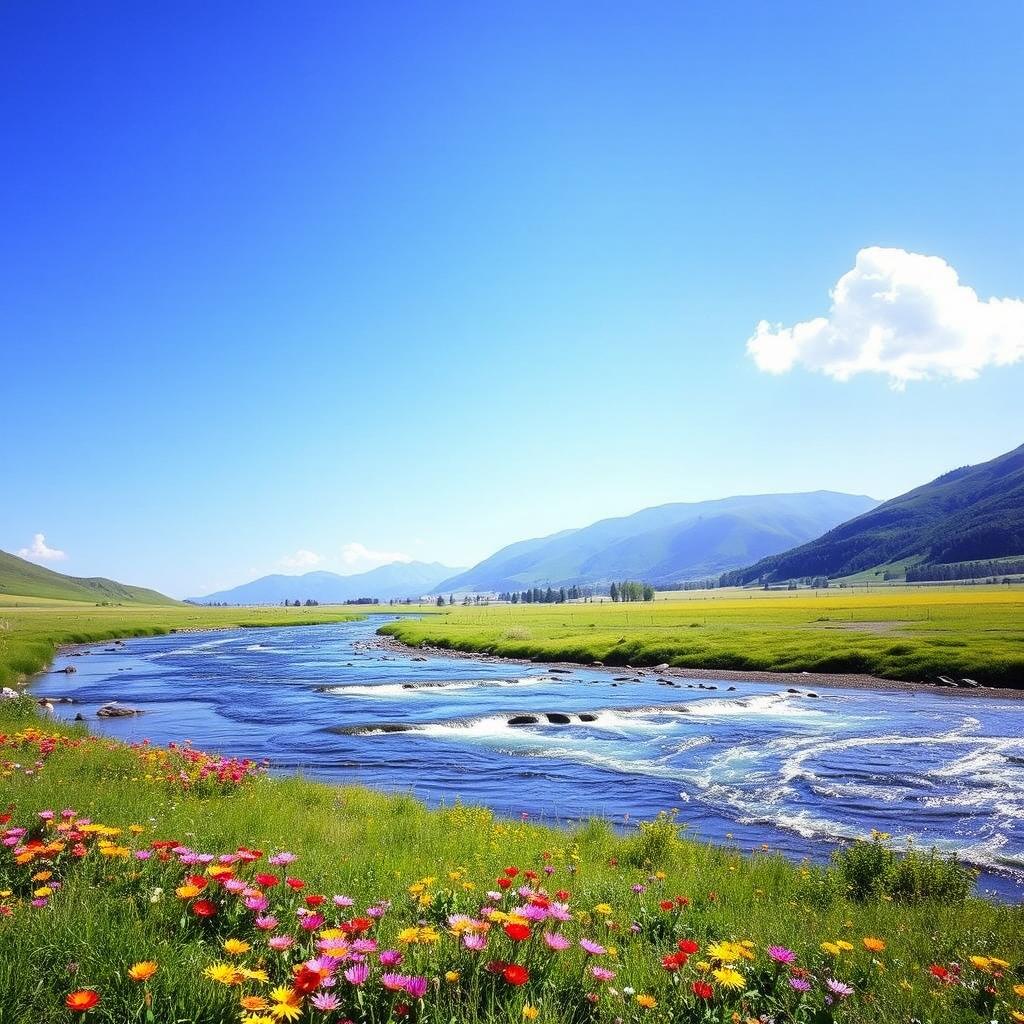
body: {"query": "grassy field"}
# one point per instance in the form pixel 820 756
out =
pixel 31 629
pixel 115 857
pixel 909 633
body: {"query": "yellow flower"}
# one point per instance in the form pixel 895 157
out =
pixel 728 952
pixel 143 970
pixel 873 945
pixel 236 947
pixel 258 1018
pixel 1016 1015
pixel 186 892
pixel 254 974
pixel 42 892
pixel 602 908
pixel 451 977
pixel 996 962
pixel 831 948
pixel 646 1001
pixel 418 936
pixel 224 974
pixel 1018 990
pixel 253 1003
pixel 286 1011
pixel 530 1012
pixel 729 978
pixel 283 994
pixel 845 946
pixel 981 962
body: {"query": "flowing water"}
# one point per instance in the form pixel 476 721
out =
pixel 741 762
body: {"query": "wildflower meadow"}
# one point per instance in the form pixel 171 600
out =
pixel 167 885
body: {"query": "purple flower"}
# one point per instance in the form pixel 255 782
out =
pixel 390 958
pixel 343 901
pixel 474 941
pixel 257 903
pixel 781 955
pixel 591 947
pixel 357 974
pixel 282 858
pixel 365 945
pixel 143 854
pixel 556 941
pixel 800 985
pixel 838 988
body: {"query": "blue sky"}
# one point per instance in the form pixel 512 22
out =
pixel 427 279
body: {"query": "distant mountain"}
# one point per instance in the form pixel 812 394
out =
pixel 666 544
pixel 26 579
pixel 972 513
pixel 397 580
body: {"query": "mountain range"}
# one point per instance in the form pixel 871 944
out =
pixel 971 513
pixel 663 545
pixel 26 579
pixel 398 580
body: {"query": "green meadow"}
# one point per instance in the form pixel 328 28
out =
pixel 897 633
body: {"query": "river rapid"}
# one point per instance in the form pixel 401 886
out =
pixel 745 763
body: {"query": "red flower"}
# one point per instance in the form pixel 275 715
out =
pixel 504 883
pixel 497 966
pixel 294 883
pixel 938 971
pixel 531 875
pixel 511 872
pixel 674 961
pixel 82 1000
pixel 357 925
pixel 199 881
pixel 517 932
pixel 204 908
pixel 667 905
pixel 687 946
pixel 516 974
pixel 314 901
pixel 702 990
pixel 562 896
pixel 267 880
pixel 306 980
pixel 682 901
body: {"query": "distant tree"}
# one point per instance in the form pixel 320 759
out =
pixel 613 593
pixel 440 601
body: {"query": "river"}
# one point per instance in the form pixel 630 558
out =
pixel 747 766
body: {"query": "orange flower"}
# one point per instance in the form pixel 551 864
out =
pixel 143 970
pixel 253 1003
pixel 873 945
pixel 82 1000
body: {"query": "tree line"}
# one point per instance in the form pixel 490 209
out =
pixel 965 570
pixel 630 590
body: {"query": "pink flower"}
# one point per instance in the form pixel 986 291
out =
pixel 266 922
pixel 602 973
pixel 280 942
pixel 325 1001
pixel 282 858
pixel 311 922
pixel 393 982
pixel 343 901
pixel 591 947
pixel 357 974
pixel 474 941
pixel 257 903
pixel 416 987
pixel 390 958
pixel 781 955
pixel 556 941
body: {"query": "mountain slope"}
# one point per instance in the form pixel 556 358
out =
pixel 397 580
pixel 26 579
pixel 975 512
pixel 664 544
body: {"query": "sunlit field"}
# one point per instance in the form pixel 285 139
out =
pixel 910 633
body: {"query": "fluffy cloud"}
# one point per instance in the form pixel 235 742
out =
pixel 302 559
pixel 901 314
pixel 39 552
pixel 357 556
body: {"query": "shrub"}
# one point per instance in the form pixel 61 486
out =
pixel 869 870
pixel 654 843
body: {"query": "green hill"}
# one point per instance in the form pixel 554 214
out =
pixel 974 513
pixel 19 578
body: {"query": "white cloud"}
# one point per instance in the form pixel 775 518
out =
pixel 39 552
pixel 360 558
pixel 301 559
pixel 901 314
